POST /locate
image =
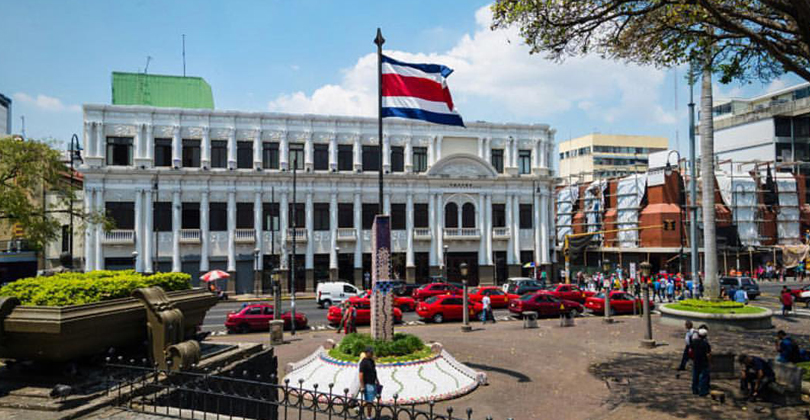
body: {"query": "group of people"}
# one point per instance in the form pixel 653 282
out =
pixel 348 322
pixel 736 295
pixel 699 351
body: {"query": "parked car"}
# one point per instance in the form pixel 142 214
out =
pixel 517 280
pixel 570 292
pixel 446 308
pixel 745 283
pixel 335 314
pixel 435 289
pixel 801 294
pixel 497 297
pixel 620 303
pixel 333 292
pixel 402 288
pixel 545 304
pixel 404 303
pixel 257 317
pixel 520 289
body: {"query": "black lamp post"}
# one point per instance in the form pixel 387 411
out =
pixel 276 293
pixel 74 154
pixel 648 341
pixel 257 274
pixel 463 270
pixel 444 263
pixel 607 288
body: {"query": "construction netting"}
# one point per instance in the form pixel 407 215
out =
pixel 594 205
pixel 566 197
pixel 739 192
pixel 630 192
pixel 787 218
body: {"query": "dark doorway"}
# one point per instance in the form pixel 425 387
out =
pixel 422 262
pixel 346 268
pixel 300 273
pixel 454 260
pixel 501 270
pixel 320 268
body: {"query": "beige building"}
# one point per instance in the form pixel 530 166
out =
pixel 604 155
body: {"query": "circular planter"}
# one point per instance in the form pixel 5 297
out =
pixel 758 321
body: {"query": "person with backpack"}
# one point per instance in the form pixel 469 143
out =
pixel 701 361
pixel 787 301
pixel 788 350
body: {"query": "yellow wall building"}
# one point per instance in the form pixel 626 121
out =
pixel 604 155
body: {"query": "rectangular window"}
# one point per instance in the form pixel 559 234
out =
pixel 163 152
pixel 420 215
pixel 397 159
pixel 525 212
pixel 297 215
pixel 345 157
pixel 162 216
pixel 219 153
pixel 270 217
pixel 296 155
pixel 321 157
pixel 498 215
pixel 320 216
pixel 66 238
pixel 190 216
pixel 244 154
pixel 119 151
pixel 244 216
pixel 497 160
pixel 398 221
pixel 122 214
pixel 270 155
pixel 218 217
pixel 345 215
pixel 524 162
pixel 369 211
pixel 371 158
pixel 191 153
pixel 419 159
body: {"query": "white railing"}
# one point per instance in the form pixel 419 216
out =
pixel 421 234
pixel 500 233
pixel 300 234
pixel 190 236
pixel 462 233
pixel 119 237
pixel 244 235
pixel 346 234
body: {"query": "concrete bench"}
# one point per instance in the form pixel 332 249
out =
pixel 529 319
pixel 787 387
pixel 722 366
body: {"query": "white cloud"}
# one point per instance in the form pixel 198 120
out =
pixel 45 103
pixel 494 74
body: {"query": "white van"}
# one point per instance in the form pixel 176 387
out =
pixel 334 292
pixel 516 281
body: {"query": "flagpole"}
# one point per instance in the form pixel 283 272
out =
pixel 379 41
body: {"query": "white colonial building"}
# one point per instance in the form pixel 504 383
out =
pixel 194 190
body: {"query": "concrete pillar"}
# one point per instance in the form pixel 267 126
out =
pixel 283 209
pixel 148 233
pixel 409 254
pixel 408 155
pixel 482 243
pixel 150 145
pixel 537 220
pixel 440 229
pixel 358 154
pixel 333 152
pixel 333 227
pixel 510 249
pixel 309 262
pixel 544 224
pixel 386 158
pixel 231 231
pixel 284 152
pixel 205 148
pixel 99 242
pixel 138 146
pixel 89 233
pixel 101 140
pixel 488 228
pixel 139 230
pixel 431 154
pixel 257 151
pixel 358 226
pixel 231 150
pixel 308 154
pixel 176 223
pixel 439 140
pixel 89 144
pixel 205 235
pixel 257 224
pixel 387 203
pixel 432 224
pixel 176 147
pixel 516 229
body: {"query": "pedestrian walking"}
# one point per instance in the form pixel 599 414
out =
pixel 688 340
pixel 670 290
pixel 369 383
pixel 487 312
pixel 351 319
pixel 787 301
pixel 657 289
pixel 702 354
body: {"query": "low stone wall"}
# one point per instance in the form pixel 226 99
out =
pixel 758 321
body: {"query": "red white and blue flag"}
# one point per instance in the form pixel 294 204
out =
pixel 417 91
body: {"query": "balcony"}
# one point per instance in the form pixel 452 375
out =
pixel 244 236
pixel 347 234
pixel 462 234
pixel 500 233
pixel 119 237
pixel 421 234
pixel 190 236
pixel 300 234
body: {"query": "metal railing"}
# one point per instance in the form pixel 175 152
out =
pixel 244 235
pixel 462 233
pixel 347 234
pixel 246 395
pixel 190 236
pixel 500 233
pixel 421 234
pixel 118 237
pixel 300 234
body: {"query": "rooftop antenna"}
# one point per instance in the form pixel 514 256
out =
pixel 148 59
pixel 184 55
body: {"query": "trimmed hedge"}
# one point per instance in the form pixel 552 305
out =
pixel 719 304
pixel 80 288
pixel 403 347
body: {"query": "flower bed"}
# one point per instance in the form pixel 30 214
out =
pixel 714 307
pixel 403 348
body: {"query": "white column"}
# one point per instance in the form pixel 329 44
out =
pixel 176 223
pixel 150 145
pixel 515 144
pixel 101 140
pixel 482 243
pixel 488 150
pixel 99 243
pixel 408 155
pixel 537 153
pixel 552 227
pixel 257 224
pixel 148 233
pixel 507 154
pixel 89 144
pixel 333 221
pixel 176 146
pixel 139 230
pixel 137 147
pixel 308 152
pixel 257 155
pixel 232 229
pixel 440 229
pixel 358 226
pixel 516 224
pixel 283 210
pixel 89 232
pixel 309 263
pixel 544 224
pixel 409 257
pixel 510 249
pixel 488 227
pixel 439 140
pixel 432 224
pixel 386 152
pixel 205 149
pixel 537 220
pixel 205 235
pixel 358 154
pixel 481 148
pixel 430 152
pixel 232 151
pixel 284 152
pixel 387 203
pixel 333 152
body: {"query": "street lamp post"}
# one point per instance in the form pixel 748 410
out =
pixel 294 232
pixel 134 259
pixel 257 274
pixel 463 269
pixel 444 263
pixel 74 151
pixel 276 293
pixel 607 287
pixel 337 263
pixel 648 341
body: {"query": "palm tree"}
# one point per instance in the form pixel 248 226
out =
pixel 710 281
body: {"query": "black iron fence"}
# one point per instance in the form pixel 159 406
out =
pixel 243 393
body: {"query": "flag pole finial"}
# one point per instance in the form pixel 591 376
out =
pixel 379 40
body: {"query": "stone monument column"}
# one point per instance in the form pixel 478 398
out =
pixel 382 295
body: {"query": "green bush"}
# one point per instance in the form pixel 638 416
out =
pixel 403 347
pixel 698 303
pixel 80 288
pixel 806 366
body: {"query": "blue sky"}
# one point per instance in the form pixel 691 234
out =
pixel 317 56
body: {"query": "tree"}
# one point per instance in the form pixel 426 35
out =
pixel 28 169
pixel 738 39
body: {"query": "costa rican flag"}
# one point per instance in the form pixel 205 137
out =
pixel 417 91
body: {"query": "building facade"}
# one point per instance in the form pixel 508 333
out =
pixel 195 190
pixel 607 155
pixel 5 115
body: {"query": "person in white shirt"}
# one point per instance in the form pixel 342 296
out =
pixel 688 339
pixel 487 310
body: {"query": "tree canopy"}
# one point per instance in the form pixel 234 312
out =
pixel 744 38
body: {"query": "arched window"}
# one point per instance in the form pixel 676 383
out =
pixel 451 215
pixel 468 215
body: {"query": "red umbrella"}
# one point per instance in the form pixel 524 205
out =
pixel 214 275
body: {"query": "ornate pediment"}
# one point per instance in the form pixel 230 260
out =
pixel 462 166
